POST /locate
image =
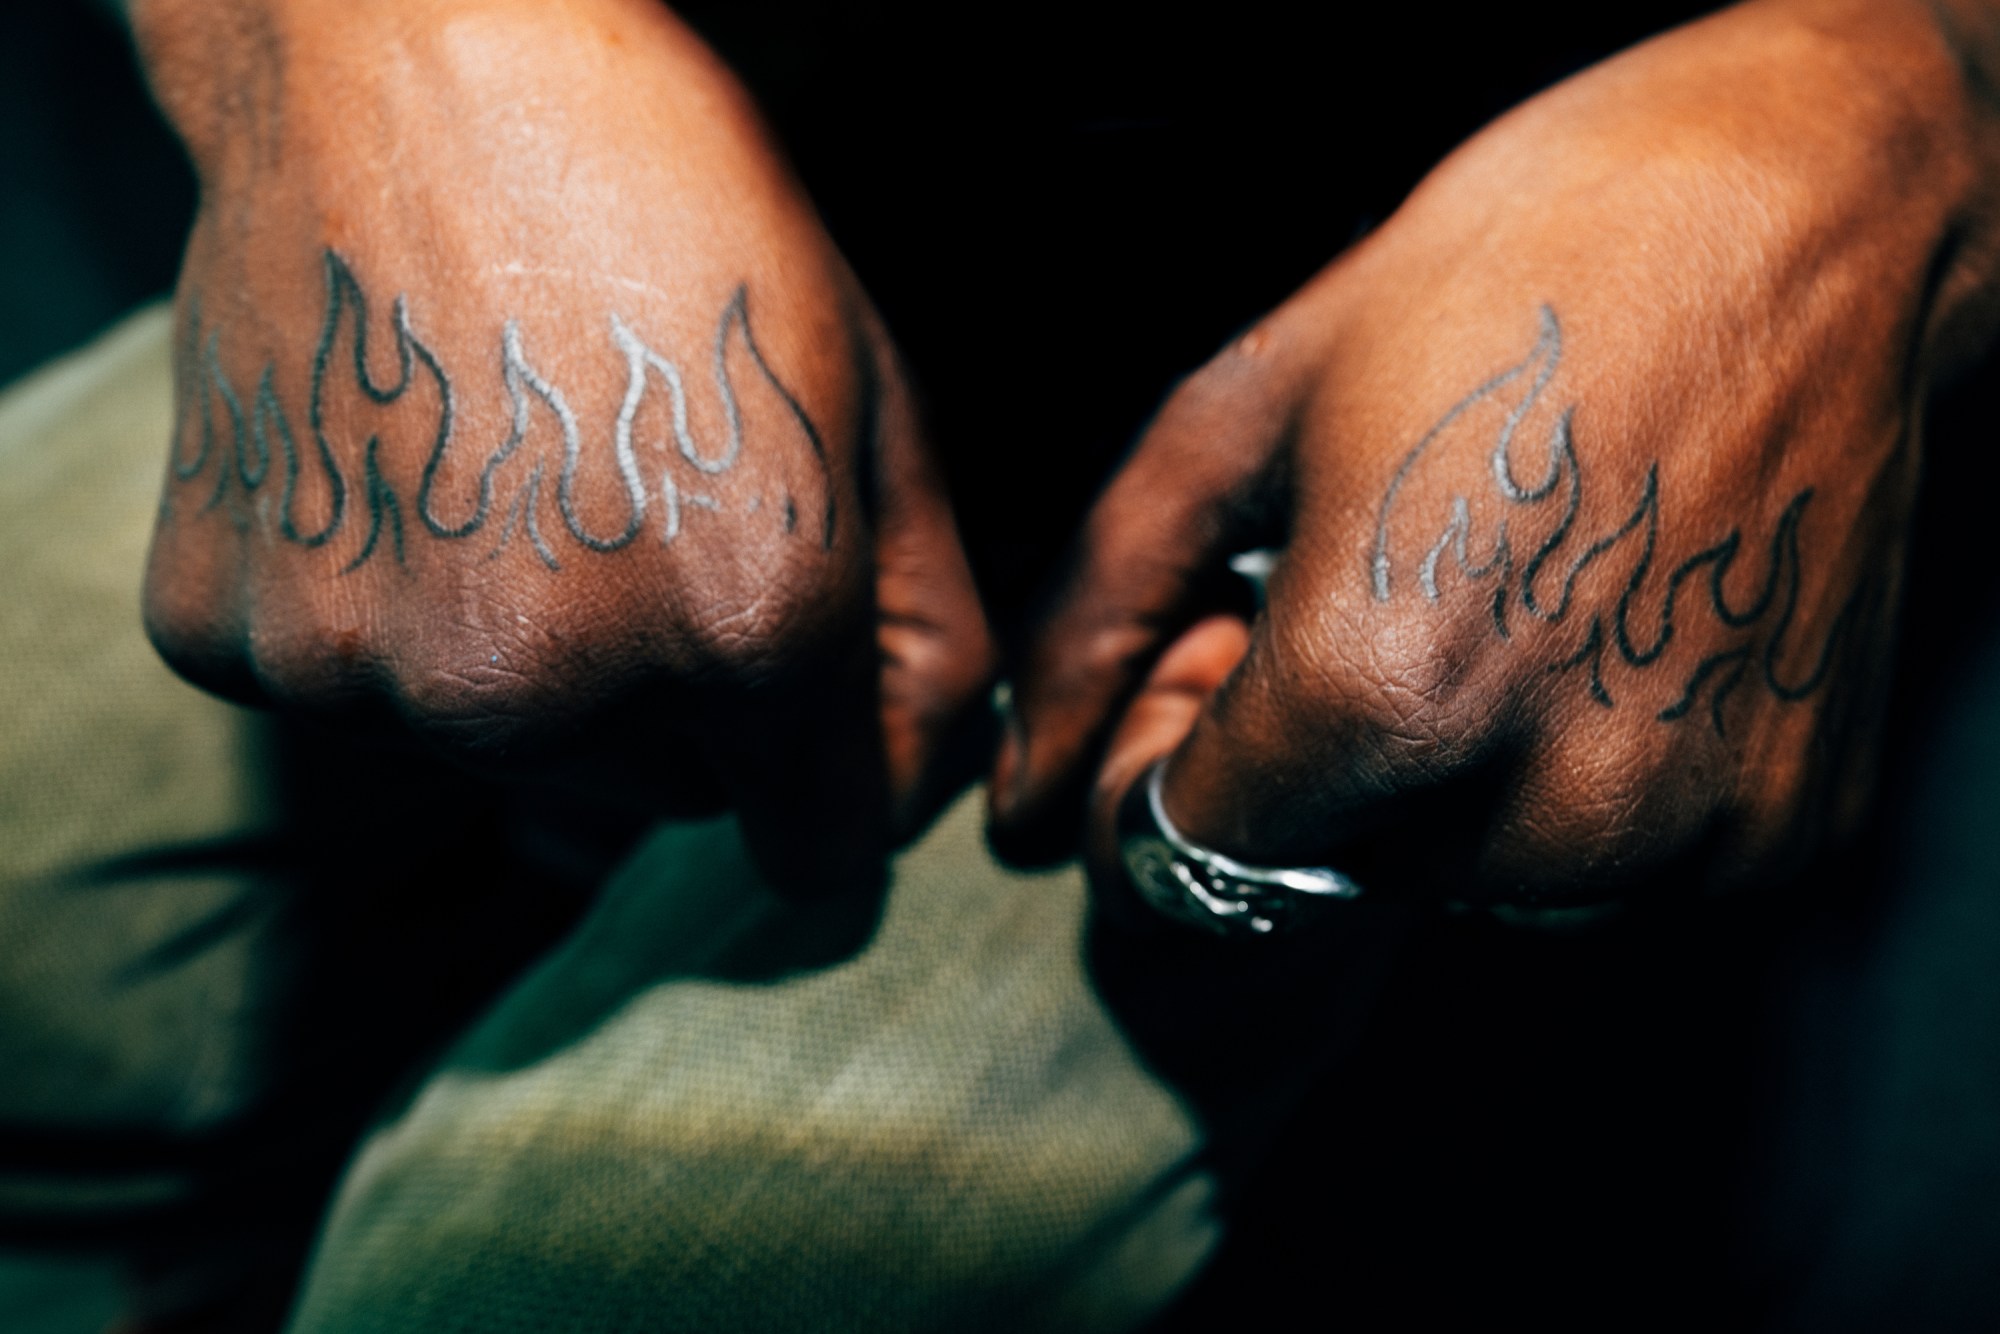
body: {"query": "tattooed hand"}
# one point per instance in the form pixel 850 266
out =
pixel 522 399
pixel 1590 470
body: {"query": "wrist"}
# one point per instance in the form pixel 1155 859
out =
pixel 1925 78
pixel 223 71
pixel 226 72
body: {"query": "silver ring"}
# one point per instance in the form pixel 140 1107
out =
pixel 1190 883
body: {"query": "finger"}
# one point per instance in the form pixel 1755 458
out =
pixel 1161 715
pixel 1330 746
pixel 801 762
pixel 1199 484
pixel 1182 993
pixel 937 654
pixel 851 753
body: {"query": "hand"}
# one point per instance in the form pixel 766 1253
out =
pixel 523 398
pixel 1591 469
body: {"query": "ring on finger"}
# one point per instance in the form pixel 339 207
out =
pixel 1196 885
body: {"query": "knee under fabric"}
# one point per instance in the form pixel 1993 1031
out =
pixel 691 1117
pixel 128 958
pixel 708 1107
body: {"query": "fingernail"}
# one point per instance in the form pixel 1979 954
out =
pixel 1010 766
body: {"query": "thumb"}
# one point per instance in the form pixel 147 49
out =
pixel 1181 995
pixel 1282 750
pixel 1160 717
pixel 1200 484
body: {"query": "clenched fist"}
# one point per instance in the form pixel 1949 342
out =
pixel 524 403
pixel 1590 470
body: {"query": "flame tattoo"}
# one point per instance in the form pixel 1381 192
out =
pixel 1540 580
pixel 262 435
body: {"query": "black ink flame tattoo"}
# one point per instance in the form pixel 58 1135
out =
pixel 1544 584
pixel 264 433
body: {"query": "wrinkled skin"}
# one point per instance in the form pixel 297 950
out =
pixel 772 614
pixel 1698 291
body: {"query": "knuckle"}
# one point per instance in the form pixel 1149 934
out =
pixel 1235 395
pixel 198 639
pixel 943 668
pixel 500 671
pixel 469 678
pixel 193 644
pixel 1110 652
pixel 760 616
pixel 486 678
pixel 749 638
pixel 180 606
pixel 1416 693
pixel 1240 365
pixel 309 654
pixel 1599 809
pixel 1217 401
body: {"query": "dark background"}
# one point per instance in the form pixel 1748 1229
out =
pixel 94 197
pixel 1705 1118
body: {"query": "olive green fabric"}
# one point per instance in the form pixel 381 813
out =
pixel 105 754
pixel 683 1121
pixel 220 939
